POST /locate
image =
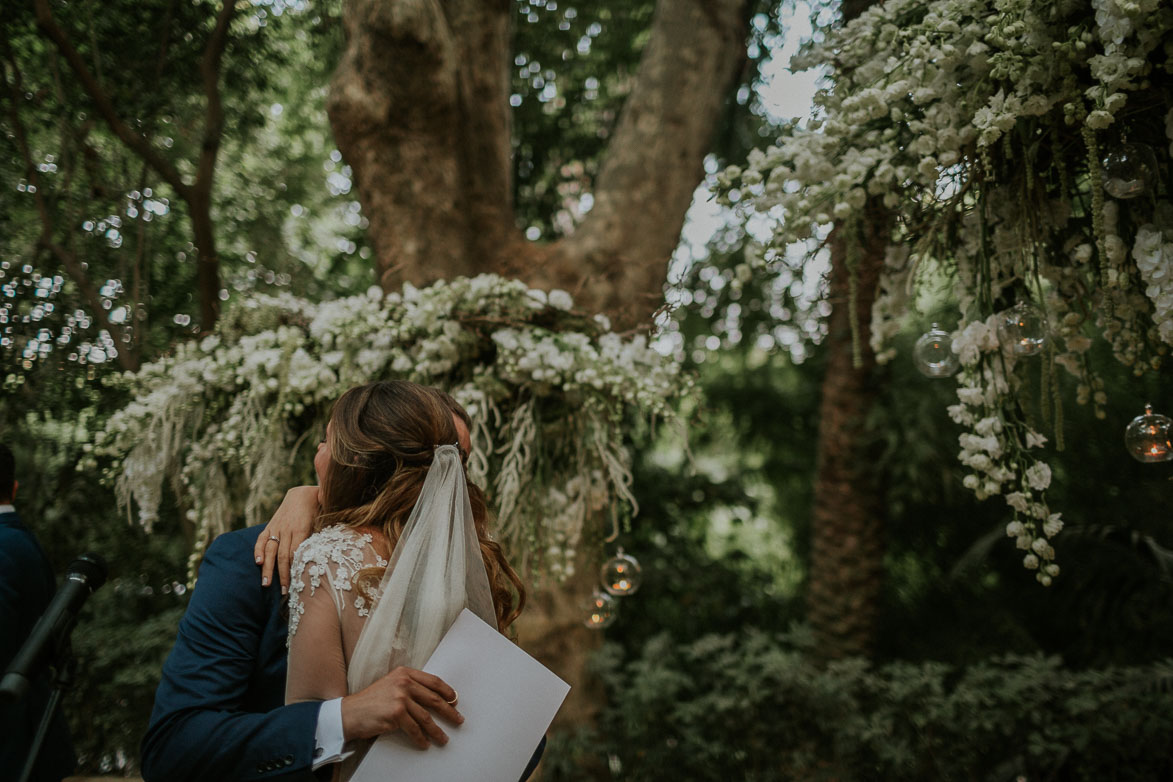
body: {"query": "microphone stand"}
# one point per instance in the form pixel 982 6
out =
pixel 64 670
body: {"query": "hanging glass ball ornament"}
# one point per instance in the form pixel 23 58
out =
pixel 933 353
pixel 621 574
pixel 1022 329
pixel 1130 170
pixel 1148 437
pixel 599 610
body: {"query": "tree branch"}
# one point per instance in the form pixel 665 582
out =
pixel 654 160
pixel 210 71
pixel 76 270
pixel 136 142
pixel 482 30
pixel 394 107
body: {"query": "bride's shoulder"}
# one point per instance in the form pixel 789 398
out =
pixel 335 543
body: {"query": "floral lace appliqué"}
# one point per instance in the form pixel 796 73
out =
pixel 336 552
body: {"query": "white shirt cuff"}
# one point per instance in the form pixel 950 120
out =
pixel 329 745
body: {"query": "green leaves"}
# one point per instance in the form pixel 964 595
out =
pixel 749 705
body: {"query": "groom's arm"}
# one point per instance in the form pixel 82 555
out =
pixel 199 728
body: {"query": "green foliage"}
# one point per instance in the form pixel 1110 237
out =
pixel 953 588
pixel 955 591
pixel 127 627
pixel 574 65
pixel 282 208
pixel 749 705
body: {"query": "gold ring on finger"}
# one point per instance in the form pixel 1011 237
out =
pixel 455 698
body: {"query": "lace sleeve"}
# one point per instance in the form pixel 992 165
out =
pixel 326 612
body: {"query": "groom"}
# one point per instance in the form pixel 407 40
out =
pixel 218 711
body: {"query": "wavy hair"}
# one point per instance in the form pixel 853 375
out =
pixel 382 439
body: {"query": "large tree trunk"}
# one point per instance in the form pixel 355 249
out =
pixel 419 109
pixel 847 541
pixel 847 524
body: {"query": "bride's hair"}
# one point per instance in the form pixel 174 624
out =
pixel 382 440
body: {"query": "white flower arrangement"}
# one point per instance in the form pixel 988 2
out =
pixel 551 391
pixel 983 127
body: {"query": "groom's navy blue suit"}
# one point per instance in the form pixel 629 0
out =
pixel 219 713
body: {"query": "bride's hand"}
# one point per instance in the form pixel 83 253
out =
pixel 401 700
pixel 290 525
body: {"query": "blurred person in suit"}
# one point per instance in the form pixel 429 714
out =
pixel 26 587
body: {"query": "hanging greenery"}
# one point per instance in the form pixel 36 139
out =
pixel 231 421
pixel 1024 149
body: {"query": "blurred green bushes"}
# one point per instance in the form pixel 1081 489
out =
pixel 751 706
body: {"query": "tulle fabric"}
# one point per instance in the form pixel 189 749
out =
pixel 435 572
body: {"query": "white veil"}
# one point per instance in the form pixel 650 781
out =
pixel 435 572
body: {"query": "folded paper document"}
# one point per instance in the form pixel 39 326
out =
pixel 507 698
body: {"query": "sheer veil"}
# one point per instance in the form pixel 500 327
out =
pixel 435 572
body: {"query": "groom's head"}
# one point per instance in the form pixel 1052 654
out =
pixel 462 420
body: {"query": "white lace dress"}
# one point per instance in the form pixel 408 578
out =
pixel 347 630
pixel 327 610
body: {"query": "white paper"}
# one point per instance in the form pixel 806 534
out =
pixel 508 700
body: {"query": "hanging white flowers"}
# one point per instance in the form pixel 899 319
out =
pixel 229 422
pixel 1017 147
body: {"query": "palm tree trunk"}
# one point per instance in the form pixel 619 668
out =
pixel 847 541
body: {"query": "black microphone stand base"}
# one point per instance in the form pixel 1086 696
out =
pixel 64 670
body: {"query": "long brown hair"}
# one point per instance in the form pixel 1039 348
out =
pixel 382 438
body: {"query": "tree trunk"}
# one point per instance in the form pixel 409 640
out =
pixel 207 263
pixel 552 630
pixel 847 521
pixel 419 109
pixel 847 543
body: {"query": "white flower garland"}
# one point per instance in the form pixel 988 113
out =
pixel 226 419
pixel 1154 260
pixel 981 126
pixel 997 446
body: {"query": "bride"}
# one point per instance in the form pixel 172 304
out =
pixel 401 548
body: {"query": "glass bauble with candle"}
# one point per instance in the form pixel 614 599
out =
pixel 599 610
pixel 621 574
pixel 1129 171
pixel 1022 329
pixel 933 353
pixel 1148 437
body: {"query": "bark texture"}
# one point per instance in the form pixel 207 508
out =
pixel 847 524
pixel 551 630
pixel 847 529
pixel 419 108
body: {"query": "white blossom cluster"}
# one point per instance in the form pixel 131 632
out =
pixel 225 419
pixel 981 131
pixel 1154 260
pixel 996 448
pixel 581 497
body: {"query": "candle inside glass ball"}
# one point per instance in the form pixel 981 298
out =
pixel 933 353
pixel 1022 330
pixel 621 575
pixel 1149 438
pixel 1129 171
pixel 599 610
